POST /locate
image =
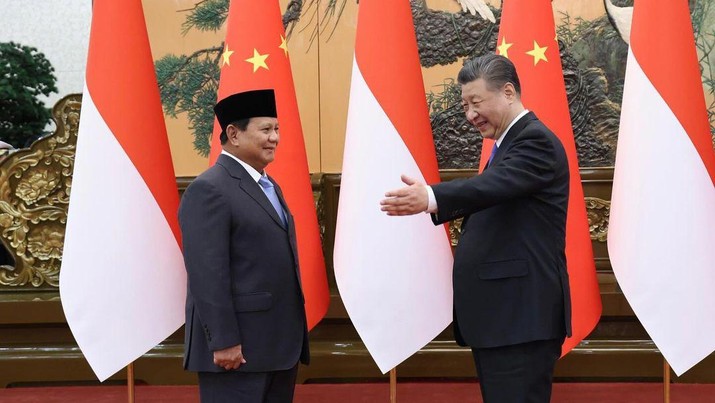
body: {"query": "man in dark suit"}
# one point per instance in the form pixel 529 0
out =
pixel 245 315
pixel 511 295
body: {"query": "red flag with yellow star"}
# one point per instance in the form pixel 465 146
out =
pixel 527 36
pixel 255 57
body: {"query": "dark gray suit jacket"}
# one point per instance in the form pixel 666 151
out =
pixel 510 279
pixel 243 275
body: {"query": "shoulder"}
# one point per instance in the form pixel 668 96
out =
pixel 208 182
pixel 536 144
pixel 535 127
pixel 214 174
pixel 535 130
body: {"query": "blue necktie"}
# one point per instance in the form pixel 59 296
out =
pixel 270 192
pixel 491 156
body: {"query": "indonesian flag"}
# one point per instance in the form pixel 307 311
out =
pixel 661 240
pixel 122 281
pixel 527 37
pixel 255 57
pixel 393 273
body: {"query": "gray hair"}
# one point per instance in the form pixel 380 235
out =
pixel 496 70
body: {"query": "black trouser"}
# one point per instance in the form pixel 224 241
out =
pixel 520 373
pixel 247 387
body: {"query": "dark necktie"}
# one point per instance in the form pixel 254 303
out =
pixel 270 192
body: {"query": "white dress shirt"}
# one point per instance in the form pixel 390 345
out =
pixel 251 170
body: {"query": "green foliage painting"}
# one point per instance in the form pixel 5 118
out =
pixel 188 83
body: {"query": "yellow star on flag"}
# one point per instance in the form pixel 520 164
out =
pixel 284 45
pixel 538 53
pixel 258 60
pixel 226 56
pixel 504 47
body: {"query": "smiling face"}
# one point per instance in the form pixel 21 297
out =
pixel 256 145
pixel 490 110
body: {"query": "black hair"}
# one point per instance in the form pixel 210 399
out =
pixel 496 70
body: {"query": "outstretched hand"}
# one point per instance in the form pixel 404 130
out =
pixel 408 200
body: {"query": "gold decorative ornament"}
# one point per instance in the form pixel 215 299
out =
pixel 455 230
pixel 598 212
pixel 35 186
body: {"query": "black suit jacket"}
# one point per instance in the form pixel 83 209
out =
pixel 243 275
pixel 510 279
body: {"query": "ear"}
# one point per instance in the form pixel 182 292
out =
pixel 509 91
pixel 232 134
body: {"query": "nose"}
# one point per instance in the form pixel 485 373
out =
pixel 471 114
pixel 274 136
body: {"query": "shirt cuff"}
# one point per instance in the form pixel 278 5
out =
pixel 432 201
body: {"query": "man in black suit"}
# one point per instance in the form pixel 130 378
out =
pixel 511 295
pixel 245 315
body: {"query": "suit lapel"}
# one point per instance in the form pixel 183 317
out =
pixel 250 186
pixel 509 136
pixel 291 229
pixel 279 192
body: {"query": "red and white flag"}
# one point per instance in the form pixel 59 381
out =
pixel 394 273
pixel 122 281
pixel 660 238
pixel 527 36
pixel 255 56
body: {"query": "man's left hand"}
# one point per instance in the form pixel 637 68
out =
pixel 408 200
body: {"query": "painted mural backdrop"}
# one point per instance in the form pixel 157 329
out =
pixel 593 52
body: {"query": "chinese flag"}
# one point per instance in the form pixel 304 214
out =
pixel 255 56
pixel 527 36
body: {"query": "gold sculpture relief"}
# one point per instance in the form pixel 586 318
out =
pixel 598 211
pixel 34 196
pixel 455 230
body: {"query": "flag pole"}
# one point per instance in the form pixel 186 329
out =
pixel 130 382
pixel 666 381
pixel 393 385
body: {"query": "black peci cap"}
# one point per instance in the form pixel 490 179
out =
pixel 244 105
